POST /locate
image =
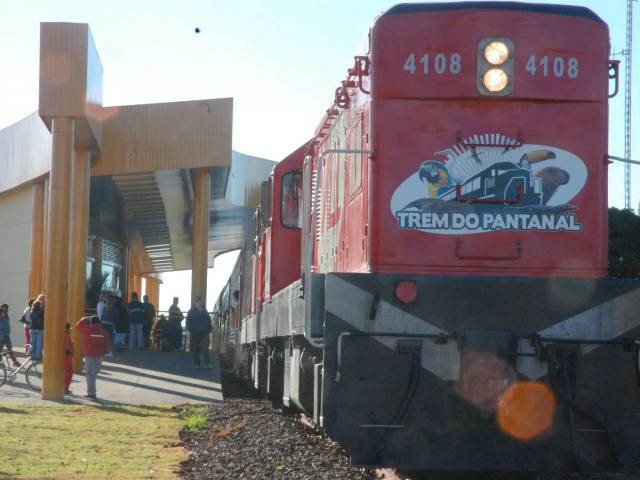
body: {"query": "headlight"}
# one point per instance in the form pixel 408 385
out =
pixel 496 66
pixel 496 53
pixel 495 80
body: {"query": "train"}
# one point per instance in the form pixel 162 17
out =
pixel 426 278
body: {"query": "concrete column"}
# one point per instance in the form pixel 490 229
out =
pixel 62 129
pixel 78 236
pixel 36 284
pixel 200 234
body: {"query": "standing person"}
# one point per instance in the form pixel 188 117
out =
pixel 26 319
pixel 5 333
pixel 37 328
pixel 199 326
pixel 122 323
pixel 135 310
pixel 149 315
pixel 68 358
pixel 101 306
pixel 109 320
pixel 175 321
pixel 96 342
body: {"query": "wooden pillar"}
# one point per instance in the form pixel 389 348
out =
pixel 78 236
pixel 200 234
pixel 36 284
pixel 62 129
pixel 45 231
pixel 132 277
pixel 139 286
pixel 153 290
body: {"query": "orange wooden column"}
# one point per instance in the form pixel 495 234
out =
pixel 43 278
pixel 200 234
pixel 131 278
pixel 62 129
pixel 153 290
pixel 36 284
pixel 78 236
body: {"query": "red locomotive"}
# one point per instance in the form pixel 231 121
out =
pixel 426 277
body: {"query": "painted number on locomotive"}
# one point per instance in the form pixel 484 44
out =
pixel 556 66
pixel 438 63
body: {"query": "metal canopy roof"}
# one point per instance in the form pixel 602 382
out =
pixel 161 203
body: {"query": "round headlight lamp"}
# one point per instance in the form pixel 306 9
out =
pixel 496 53
pixel 495 80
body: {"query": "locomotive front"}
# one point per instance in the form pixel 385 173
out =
pixel 507 109
pixel 485 336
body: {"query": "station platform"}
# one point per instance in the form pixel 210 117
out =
pixel 136 378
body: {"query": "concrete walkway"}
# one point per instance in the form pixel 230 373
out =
pixel 136 378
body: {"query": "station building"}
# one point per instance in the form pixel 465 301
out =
pixel 95 198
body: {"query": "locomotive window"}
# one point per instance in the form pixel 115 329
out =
pixel 291 198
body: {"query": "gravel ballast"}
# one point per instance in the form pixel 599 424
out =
pixel 248 438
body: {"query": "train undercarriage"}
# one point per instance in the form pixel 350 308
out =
pixel 478 373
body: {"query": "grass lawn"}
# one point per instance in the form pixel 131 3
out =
pixel 89 442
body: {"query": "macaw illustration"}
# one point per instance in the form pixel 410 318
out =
pixel 435 176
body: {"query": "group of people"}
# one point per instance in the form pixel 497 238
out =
pixel 134 320
pixel 111 323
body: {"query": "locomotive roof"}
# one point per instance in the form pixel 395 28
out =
pixel 568 10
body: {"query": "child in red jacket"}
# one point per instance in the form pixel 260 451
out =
pixel 96 342
pixel 68 358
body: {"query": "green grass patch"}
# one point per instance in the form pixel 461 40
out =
pixel 195 423
pixel 90 442
pixel 193 418
pixel 190 411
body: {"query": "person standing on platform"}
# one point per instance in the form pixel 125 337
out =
pixel 37 328
pixel 199 327
pixel 68 358
pixel 26 319
pixel 96 344
pixel 5 333
pixel 149 316
pixel 175 322
pixel 122 324
pixel 109 320
pixel 135 311
pixel 102 304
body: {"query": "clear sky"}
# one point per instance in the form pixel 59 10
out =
pixel 280 60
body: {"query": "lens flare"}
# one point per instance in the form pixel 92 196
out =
pixel 526 410
pixel 496 53
pixel 495 80
pixel 485 378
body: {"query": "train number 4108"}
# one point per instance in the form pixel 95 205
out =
pixel 438 63
pixel 558 66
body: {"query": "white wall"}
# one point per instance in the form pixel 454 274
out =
pixel 16 217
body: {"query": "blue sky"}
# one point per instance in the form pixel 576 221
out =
pixel 280 60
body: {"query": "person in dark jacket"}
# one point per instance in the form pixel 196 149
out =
pixel 109 320
pixel 5 333
pixel 122 323
pixel 199 327
pixel 149 316
pixel 37 328
pixel 135 311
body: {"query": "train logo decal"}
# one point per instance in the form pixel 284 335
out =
pixel 490 182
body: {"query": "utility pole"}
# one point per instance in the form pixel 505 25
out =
pixel 627 105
